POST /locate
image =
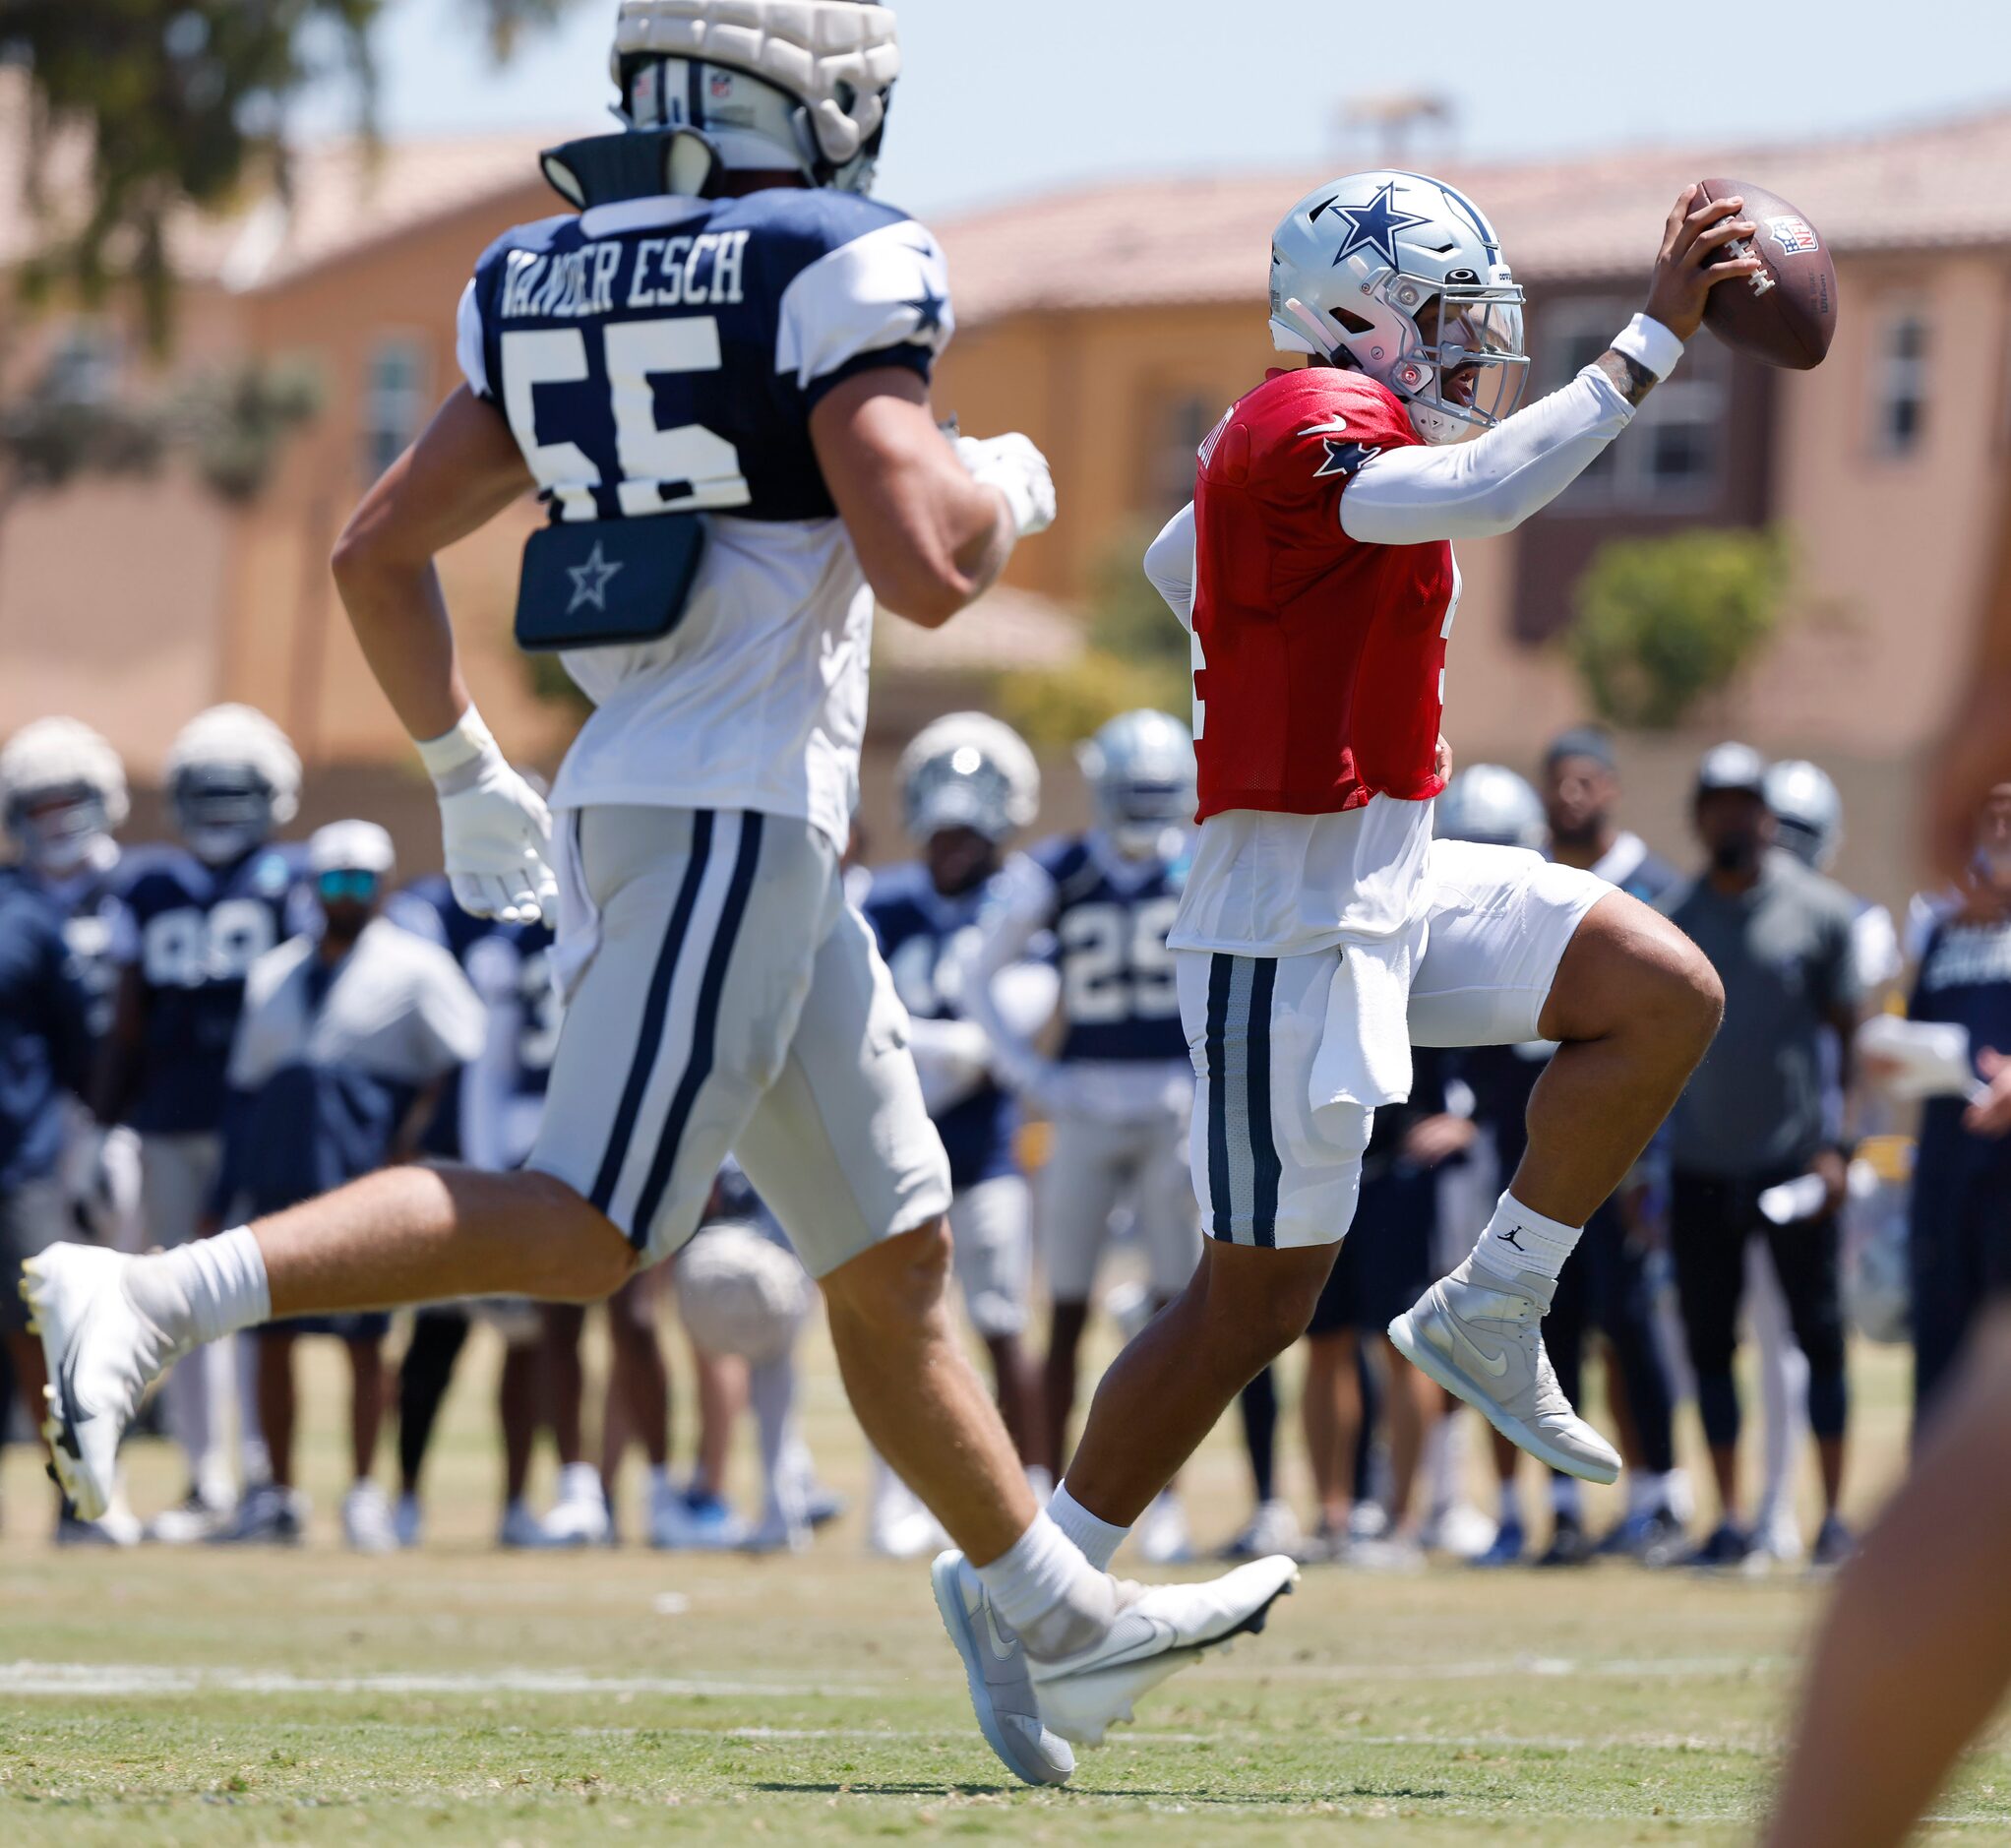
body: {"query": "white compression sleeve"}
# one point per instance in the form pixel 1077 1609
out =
pixel 1027 908
pixel 1169 564
pixel 1492 484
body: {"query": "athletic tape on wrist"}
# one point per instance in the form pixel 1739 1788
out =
pixel 1647 343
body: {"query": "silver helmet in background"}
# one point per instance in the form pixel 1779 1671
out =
pixel 1143 782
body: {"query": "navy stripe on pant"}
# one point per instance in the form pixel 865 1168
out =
pixel 1245 1169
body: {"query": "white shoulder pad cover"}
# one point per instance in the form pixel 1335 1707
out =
pixel 468 344
pixel 888 289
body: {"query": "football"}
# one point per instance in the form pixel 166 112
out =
pixel 1787 315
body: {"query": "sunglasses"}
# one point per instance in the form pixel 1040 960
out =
pixel 356 886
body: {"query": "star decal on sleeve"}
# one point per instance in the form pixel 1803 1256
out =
pixel 1375 226
pixel 591 580
pixel 927 310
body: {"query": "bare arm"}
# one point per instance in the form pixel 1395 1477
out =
pixel 930 539
pixel 461 472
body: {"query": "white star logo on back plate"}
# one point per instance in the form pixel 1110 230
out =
pixel 591 580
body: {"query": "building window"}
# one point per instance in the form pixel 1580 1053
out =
pixel 1674 456
pixel 1902 382
pixel 394 401
pixel 1183 423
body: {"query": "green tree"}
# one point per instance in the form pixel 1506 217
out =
pixel 177 103
pixel 1661 623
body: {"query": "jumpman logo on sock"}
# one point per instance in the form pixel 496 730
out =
pixel 1508 1238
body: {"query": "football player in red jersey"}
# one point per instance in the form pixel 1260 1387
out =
pixel 1322 931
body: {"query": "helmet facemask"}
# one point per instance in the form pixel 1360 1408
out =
pixel 61 829
pixel 223 811
pixel 1468 368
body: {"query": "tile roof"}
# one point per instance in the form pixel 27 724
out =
pixel 1173 239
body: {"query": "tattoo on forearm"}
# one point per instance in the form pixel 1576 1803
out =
pixel 1632 380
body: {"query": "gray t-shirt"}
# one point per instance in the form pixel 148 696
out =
pixel 1784 951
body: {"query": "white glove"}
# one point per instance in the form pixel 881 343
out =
pixel 496 829
pixel 1020 472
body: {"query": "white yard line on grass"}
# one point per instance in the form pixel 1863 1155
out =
pixel 129 1679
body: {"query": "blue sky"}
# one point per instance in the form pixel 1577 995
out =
pixel 1003 97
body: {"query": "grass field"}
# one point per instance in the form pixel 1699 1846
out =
pixel 457 1695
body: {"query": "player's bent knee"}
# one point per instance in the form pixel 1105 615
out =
pixel 898 1283
pixel 590 1255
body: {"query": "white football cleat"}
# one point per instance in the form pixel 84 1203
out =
pixel 102 1355
pixel 1159 1630
pixel 1001 1685
pixel 408 1522
pixel 1480 1341
pixel 579 1518
pixel 366 1519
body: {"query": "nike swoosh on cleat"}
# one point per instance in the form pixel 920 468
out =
pixel 995 1640
pixel 1495 1366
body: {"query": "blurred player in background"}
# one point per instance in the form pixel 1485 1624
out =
pixel 969 785
pixel 46 1055
pixel 1959 1233
pixel 1808 822
pixel 714 367
pixel 63 789
pixel 1604 1290
pixel 347 1035
pixel 1756 1128
pixel 1321 931
pixel 488 1117
pixel 194 918
pixel 1119 1086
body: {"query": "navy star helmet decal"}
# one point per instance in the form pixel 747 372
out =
pixel 1372 226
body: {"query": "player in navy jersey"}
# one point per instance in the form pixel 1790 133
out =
pixel 193 919
pixel 1960 1226
pixel 716 372
pixel 1118 1088
pixel 488 1117
pixel 968 784
pixel 63 790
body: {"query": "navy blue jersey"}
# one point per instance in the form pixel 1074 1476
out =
pixel 90 904
pixel 510 967
pixel 923 938
pixel 193 931
pixel 1110 918
pixel 664 354
pixel 44 1032
pixel 1964 979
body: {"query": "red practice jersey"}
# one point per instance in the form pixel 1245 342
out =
pixel 1320 662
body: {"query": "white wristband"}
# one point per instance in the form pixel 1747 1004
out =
pixel 1649 344
pixel 469 742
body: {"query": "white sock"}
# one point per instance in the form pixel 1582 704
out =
pixel 1517 1242
pixel 1096 1540
pixel 202 1290
pixel 659 1479
pixel 1511 1509
pixel 1566 1498
pixel 1052 1595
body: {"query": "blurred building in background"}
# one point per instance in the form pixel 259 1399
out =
pixel 1114 323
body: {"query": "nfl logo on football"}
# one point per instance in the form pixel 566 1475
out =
pixel 1795 236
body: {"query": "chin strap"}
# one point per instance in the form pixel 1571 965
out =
pixel 639 164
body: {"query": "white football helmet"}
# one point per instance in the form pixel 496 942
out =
pixel 64 790
pixel 1402 277
pixel 1808 814
pixel 968 771
pixel 233 778
pixel 797 85
pixel 742 1294
pixel 1492 806
pixel 1142 782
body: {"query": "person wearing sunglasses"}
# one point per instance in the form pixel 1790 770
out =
pixel 348 1034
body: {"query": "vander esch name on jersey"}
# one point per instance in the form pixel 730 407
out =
pixel 709 270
